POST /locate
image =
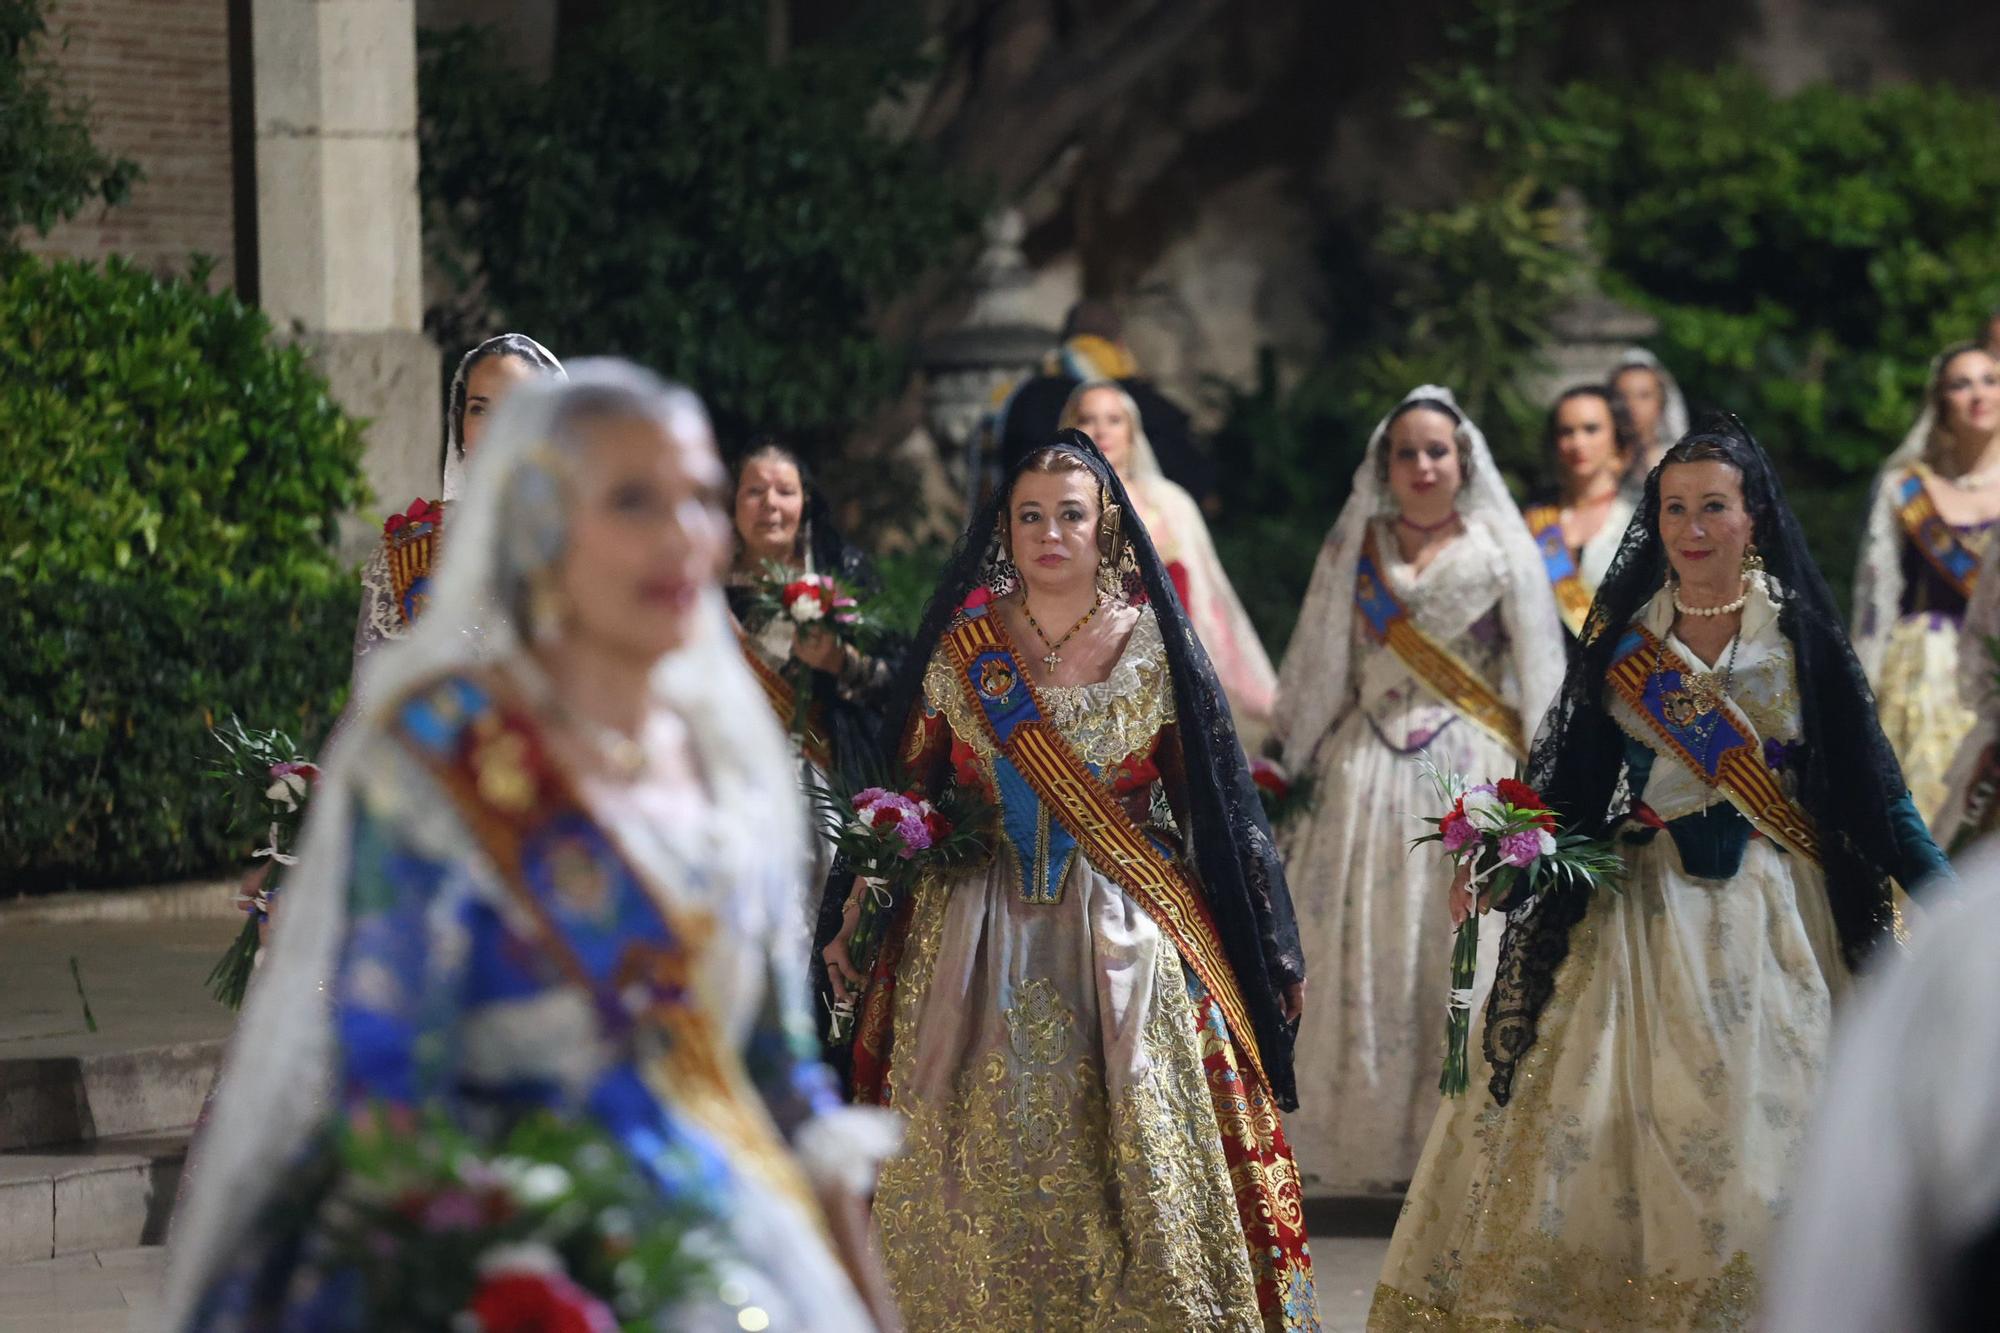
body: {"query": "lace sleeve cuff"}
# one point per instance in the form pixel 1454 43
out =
pixel 842 1149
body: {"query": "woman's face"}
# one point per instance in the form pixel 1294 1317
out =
pixel 1704 523
pixel 1424 470
pixel 1102 416
pixel 647 535
pixel 1969 389
pixel 1586 441
pixel 486 386
pixel 1052 530
pixel 770 503
pixel 1644 398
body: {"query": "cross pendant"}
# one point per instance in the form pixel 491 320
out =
pixel 1052 660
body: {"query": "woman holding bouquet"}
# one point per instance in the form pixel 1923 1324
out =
pixel 784 528
pixel 1429 629
pixel 1930 532
pixel 1090 1034
pixel 1655 1052
pixel 395 582
pixel 555 877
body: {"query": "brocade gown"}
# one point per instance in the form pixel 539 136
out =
pixel 1371 910
pixel 1080 1153
pixel 1634 1178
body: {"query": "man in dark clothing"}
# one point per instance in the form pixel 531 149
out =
pixel 1093 347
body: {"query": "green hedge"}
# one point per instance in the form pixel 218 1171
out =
pixel 169 481
pixel 107 692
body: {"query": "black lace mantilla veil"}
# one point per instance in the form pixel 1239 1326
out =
pixel 1850 777
pixel 1238 863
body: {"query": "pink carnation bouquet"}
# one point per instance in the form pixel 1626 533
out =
pixel 1506 836
pixel 272 782
pixel 891 839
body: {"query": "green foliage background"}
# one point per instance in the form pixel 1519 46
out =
pixel 1806 255
pixel 49 168
pixel 670 195
pixel 168 482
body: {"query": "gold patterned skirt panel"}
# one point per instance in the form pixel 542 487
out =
pixel 1635 1177
pixel 1062 1169
pixel 1918 700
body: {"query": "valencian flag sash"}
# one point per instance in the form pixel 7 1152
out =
pixel 691 1108
pixel 410 544
pixel 1075 808
pixel 1679 705
pixel 784 700
pixel 1934 538
pixel 1388 622
pixel 1572 598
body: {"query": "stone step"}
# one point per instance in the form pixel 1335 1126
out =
pixel 47 1101
pixel 110 1194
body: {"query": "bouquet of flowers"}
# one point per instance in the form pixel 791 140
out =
pixel 1505 833
pixel 274 780
pixel 893 838
pixel 1285 798
pixel 555 1230
pixel 808 601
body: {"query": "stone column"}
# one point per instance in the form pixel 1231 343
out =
pixel 340 255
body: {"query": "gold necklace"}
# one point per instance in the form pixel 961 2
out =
pixel 1053 658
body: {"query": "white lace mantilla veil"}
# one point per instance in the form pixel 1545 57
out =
pixel 1673 404
pixel 454 419
pixel 1316 679
pixel 280 1060
pixel 1878 580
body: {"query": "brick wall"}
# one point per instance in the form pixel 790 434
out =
pixel 156 75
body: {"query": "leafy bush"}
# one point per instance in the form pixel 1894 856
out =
pixel 148 426
pixel 168 484
pixel 1807 255
pixel 49 168
pixel 107 692
pixel 672 195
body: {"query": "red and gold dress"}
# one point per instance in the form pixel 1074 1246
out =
pixel 1086 1148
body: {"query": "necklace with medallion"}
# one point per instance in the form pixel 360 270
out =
pixel 1053 657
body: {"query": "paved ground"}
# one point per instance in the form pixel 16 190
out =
pixel 115 1291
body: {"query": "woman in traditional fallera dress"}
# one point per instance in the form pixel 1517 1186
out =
pixel 1429 629
pixel 1651 396
pixel 502 845
pixel 1591 443
pixel 395 582
pixel 783 519
pixel 1971 806
pixel 1106 412
pixel 1930 531
pixel 1091 1035
pixel 1655 1051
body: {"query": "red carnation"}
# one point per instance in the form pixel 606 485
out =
pixel 517 1302
pixel 939 826
pixel 884 816
pixel 1270 778
pixel 1523 797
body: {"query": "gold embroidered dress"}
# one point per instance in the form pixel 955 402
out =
pixel 1633 1180
pixel 1065 1167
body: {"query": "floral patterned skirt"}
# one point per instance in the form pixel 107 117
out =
pixel 1081 1153
pixel 1922 714
pixel 1634 1179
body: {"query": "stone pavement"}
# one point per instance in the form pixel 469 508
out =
pixel 142 968
pixel 114 1290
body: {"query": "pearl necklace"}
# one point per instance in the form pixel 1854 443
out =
pixel 1726 609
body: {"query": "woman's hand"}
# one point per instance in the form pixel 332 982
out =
pixel 1293 1005
pixel 840 969
pixel 817 648
pixel 847 1220
pixel 1462 905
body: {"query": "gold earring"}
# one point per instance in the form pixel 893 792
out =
pixel 1752 562
pixel 545 608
